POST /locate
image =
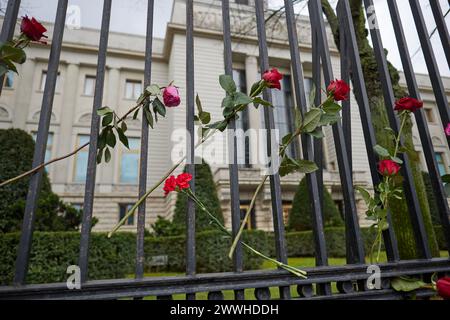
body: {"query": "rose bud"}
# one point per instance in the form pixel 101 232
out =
pixel 273 78
pixel 339 89
pixel 171 97
pixel 408 104
pixel 388 167
pixel 443 288
pixel 32 29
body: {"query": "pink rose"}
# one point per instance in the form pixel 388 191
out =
pixel 388 167
pixel 447 130
pixel 171 97
pixel 273 78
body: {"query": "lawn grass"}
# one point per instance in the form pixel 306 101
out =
pixel 302 262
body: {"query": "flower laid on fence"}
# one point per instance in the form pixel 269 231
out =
pixel 180 184
pixel 443 288
pixel 389 167
pixel 12 53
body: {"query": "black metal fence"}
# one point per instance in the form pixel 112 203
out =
pixel 349 278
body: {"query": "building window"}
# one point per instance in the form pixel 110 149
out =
pixel 243 142
pixel 48 150
pixel 89 86
pixel 129 162
pixel 284 113
pixel 123 210
pixel 430 115
pixel 81 160
pixel 251 222
pixel 441 163
pixel 245 2
pixel 8 81
pixel 308 84
pixel 44 80
pixel 133 89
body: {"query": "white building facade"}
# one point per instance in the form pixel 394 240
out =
pixel 116 183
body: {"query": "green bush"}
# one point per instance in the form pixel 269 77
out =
pixel 440 238
pixel 53 252
pixel 300 215
pixel 165 228
pixel 16 152
pixel 206 191
pixel 434 210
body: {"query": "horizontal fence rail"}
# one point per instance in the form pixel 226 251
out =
pixel 350 279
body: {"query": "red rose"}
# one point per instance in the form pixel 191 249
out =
pixel 388 167
pixel 32 29
pixel 447 130
pixel 408 104
pixel 170 185
pixel 171 97
pixel 443 288
pixel 183 181
pixel 273 78
pixel 339 89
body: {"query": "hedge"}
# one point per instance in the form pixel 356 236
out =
pixel 113 258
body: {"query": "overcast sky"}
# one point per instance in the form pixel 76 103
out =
pixel 130 16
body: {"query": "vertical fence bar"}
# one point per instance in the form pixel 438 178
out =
pixel 232 146
pixel 92 157
pixel 317 81
pixel 190 168
pixel 430 59
pixel 275 184
pixel 389 100
pixel 441 27
pixel 346 105
pixel 307 141
pixel 346 27
pixel 144 147
pixel 9 25
pixel 422 125
pixel 41 145
pixel 355 248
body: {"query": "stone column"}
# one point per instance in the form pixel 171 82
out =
pixel 68 117
pixel 113 88
pixel 23 95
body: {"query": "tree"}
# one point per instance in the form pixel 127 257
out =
pixel 52 214
pixel 300 216
pixel 206 191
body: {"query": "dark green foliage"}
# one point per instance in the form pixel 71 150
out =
pixel 53 252
pixel 165 228
pixel 300 215
pixel 16 152
pixel 431 199
pixel 206 191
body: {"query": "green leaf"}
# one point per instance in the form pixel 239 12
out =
pixel 305 166
pixel 365 194
pixel 104 111
pixel 3 69
pixel 205 117
pixel 381 151
pixel 153 90
pixel 289 165
pixel 123 138
pixel 136 114
pixel 221 125
pixel 391 132
pixel 124 127
pixel 8 66
pixel 102 139
pixel 141 99
pixel 329 119
pixel 446 178
pixel 148 116
pixel 312 119
pixel 227 83
pixel 286 138
pixel 406 284
pixel 107 119
pixel 298 118
pixel 228 102
pixel 13 54
pixel 158 107
pixel 99 156
pixel 111 139
pixel 241 99
pixel 199 104
pixel 318 133
pixel 255 88
pixel 331 107
pixel 261 101
pixel 107 155
pixel 397 160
